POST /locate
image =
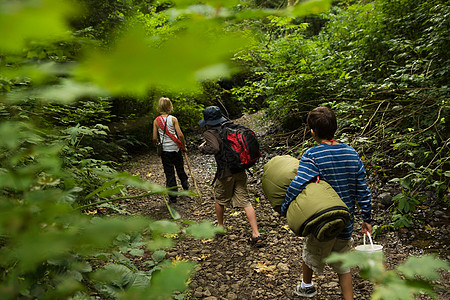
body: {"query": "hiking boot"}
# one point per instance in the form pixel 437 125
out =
pixel 307 292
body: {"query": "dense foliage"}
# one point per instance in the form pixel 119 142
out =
pixel 384 68
pixel 78 85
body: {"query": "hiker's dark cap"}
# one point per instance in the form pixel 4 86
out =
pixel 212 116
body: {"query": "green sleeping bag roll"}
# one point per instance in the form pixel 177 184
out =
pixel 317 210
pixel 277 175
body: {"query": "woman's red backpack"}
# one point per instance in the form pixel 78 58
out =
pixel 241 148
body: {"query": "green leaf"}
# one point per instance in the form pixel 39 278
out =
pixel 401 164
pixel 159 243
pixel 141 281
pixel 370 264
pixel 393 290
pixel 159 255
pixel 175 215
pixel 406 184
pixel 102 187
pixel 116 274
pixel 398 197
pixel 164 226
pixel 75 275
pixel 83 267
pixel 114 278
pixel 425 267
pixel 136 252
pixel 203 230
pixel 110 192
pixel 170 279
pixel 403 204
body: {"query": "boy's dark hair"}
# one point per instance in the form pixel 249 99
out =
pixel 323 121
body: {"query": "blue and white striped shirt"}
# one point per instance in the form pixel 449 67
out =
pixel 340 166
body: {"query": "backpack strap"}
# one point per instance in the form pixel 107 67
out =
pixel 164 129
pixel 165 126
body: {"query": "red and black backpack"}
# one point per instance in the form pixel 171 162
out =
pixel 241 148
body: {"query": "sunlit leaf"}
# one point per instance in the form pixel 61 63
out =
pixel 134 65
pixel 21 21
pixel 309 7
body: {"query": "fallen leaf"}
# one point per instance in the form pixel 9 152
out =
pixel 263 267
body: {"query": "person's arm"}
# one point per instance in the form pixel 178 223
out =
pixel 211 144
pixel 180 135
pixel 155 131
pixel 364 200
pixel 307 170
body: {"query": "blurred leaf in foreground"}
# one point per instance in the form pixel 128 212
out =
pixel 309 7
pixel 21 21
pixel 200 51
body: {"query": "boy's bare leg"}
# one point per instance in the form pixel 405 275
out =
pixel 219 212
pixel 250 212
pixel 345 280
pixel 307 273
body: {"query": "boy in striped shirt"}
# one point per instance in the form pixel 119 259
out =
pixel 340 166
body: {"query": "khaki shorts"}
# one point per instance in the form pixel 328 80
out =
pixel 232 189
pixel 314 253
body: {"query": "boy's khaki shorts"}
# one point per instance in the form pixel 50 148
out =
pixel 314 253
pixel 232 189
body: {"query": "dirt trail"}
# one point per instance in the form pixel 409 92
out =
pixel 228 267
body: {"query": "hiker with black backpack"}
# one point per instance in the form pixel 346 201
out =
pixel 235 148
pixel 168 136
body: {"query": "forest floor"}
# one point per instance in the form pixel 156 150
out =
pixel 230 268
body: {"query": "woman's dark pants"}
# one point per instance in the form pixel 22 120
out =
pixel 173 161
